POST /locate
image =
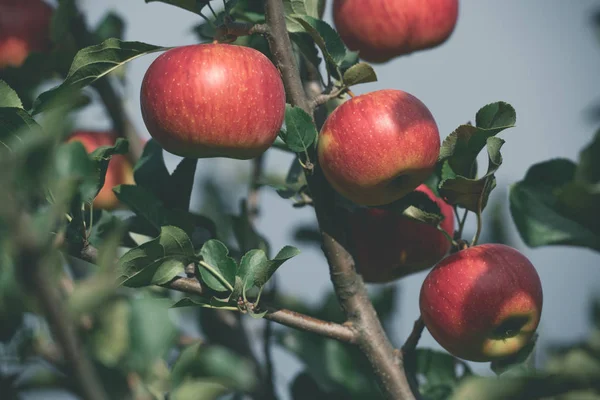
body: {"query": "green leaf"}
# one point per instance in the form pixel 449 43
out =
pixel 324 36
pixel 539 212
pixel 8 97
pixel 143 203
pixel 300 131
pixel 417 206
pixel 359 73
pixel 439 371
pixel 15 123
pixel 199 389
pixel 62 17
pixel 263 274
pixel 181 183
pixel 194 6
pixel 74 165
pixel 111 26
pixel 471 193
pixel 252 261
pixel 158 261
pixel 101 158
pixel 92 63
pixel 152 333
pixel 218 268
pixel 588 169
pixel 216 362
pixel 312 8
pixel 463 145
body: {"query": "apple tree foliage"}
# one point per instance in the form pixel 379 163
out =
pixel 136 345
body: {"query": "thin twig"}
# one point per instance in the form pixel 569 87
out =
pixel 479 211
pixel 413 339
pixel 325 97
pixel 349 286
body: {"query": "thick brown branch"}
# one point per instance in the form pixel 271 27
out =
pixel 349 287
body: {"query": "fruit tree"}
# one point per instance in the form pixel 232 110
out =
pixel 124 276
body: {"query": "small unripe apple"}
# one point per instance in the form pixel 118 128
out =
pixel 24 28
pixel 379 146
pixel 383 29
pixel 483 303
pixel 387 246
pixel 213 100
pixel 119 172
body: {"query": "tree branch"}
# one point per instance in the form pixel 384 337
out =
pixel 348 285
pixel 411 342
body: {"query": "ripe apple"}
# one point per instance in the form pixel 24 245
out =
pixel 387 246
pixel 482 303
pixel 377 147
pixel 119 170
pixel 383 29
pixel 24 28
pixel 213 100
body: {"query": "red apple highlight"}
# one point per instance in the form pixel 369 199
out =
pixel 383 29
pixel 213 100
pixel 379 146
pixel 483 303
pixel 24 28
pixel 388 246
pixel 119 170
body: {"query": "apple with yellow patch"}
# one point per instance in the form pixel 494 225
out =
pixel 377 147
pixel 483 303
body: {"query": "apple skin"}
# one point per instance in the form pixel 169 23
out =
pixel 388 246
pixel 213 100
pixel 377 147
pixel 383 29
pixel 472 298
pixel 119 172
pixel 24 28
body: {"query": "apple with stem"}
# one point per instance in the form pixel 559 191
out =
pixel 377 147
pixel 119 172
pixel 24 28
pixel 387 246
pixel 483 303
pixel 383 29
pixel 213 100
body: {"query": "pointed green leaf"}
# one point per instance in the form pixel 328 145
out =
pixel 538 207
pixel 463 145
pixel 264 273
pixel 417 206
pixel 359 73
pixel 252 261
pixel 324 36
pixel 111 26
pixel 14 124
pixel 73 164
pixel 101 158
pixel 471 193
pixel 300 131
pixel 92 63
pixel 218 268
pixel 158 261
pixel 8 97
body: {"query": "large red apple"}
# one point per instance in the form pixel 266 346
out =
pixel 387 246
pixel 482 303
pixel 213 100
pixel 379 146
pixel 24 28
pixel 119 170
pixel 383 29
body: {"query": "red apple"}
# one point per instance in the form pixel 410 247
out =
pixel 379 146
pixel 119 170
pixel 213 100
pixel 483 303
pixel 24 28
pixel 388 246
pixel 383 29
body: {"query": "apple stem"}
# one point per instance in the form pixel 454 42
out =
pixel 413 339
pixel 325 97
pixel 461 222
pixel 479 211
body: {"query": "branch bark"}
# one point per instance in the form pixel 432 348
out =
pixel 348 285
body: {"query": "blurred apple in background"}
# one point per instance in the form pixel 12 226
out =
pixel 388 246
pixel 383 29
pixel 120 170
pixel 24 28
